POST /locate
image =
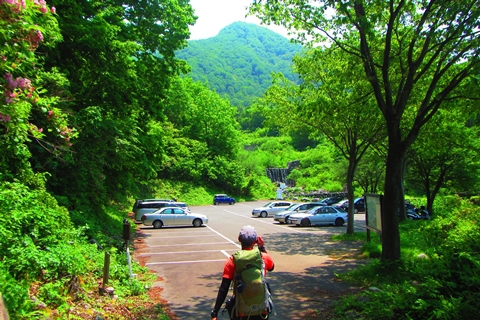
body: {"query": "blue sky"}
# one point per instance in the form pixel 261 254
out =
pixel 214 15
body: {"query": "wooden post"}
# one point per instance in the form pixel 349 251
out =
pixel 106 269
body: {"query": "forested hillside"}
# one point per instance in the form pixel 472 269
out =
pixel 98 110
pixel 238 62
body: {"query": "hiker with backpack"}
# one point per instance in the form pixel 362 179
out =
pixel 247 268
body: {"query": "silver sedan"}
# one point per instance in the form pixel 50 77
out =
pixel 173 216
pixel 319 216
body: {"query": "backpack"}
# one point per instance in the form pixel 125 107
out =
pixel 251 291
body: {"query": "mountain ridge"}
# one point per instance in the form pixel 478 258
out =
pixel 238 62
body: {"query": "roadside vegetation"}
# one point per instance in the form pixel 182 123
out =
pixel 437 276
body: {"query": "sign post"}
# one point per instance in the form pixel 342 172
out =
pixel 126 237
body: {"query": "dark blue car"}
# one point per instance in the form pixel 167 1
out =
pixel 222 198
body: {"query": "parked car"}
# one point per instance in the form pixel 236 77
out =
pixel 283 216
pixel 148 200
pixel 173 216
pixel 359 205
pixel 270 208
pixel 152 206
pixel 340 203
pixel 331 200
pixel 222 198
pixel 320 216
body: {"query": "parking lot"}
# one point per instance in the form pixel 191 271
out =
pixel 190 260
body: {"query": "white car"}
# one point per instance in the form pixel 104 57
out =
pixel 319 216
pixel 283 216
pixel 173 216
pixel 270 208
pixel 152 206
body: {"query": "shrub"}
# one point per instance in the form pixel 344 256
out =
pixel 438 276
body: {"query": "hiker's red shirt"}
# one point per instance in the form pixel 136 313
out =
pixel 229 268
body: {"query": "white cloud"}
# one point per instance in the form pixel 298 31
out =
pixel 214 15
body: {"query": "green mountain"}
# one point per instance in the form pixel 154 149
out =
pixel 238 62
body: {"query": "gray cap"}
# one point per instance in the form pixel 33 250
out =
pixel 247 235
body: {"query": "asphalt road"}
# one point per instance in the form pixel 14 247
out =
pixel 190 261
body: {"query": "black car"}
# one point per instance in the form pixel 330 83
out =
pixel 223 198
pixel 358 204
pixel 331 200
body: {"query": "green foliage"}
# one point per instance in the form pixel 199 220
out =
pixel 29 114
pixel 320 168
pixel 15 292
pixel 237 63
pixel 30 217
pixel 438 276
pixel 42 254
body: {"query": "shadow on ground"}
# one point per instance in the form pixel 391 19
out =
pixel 296 295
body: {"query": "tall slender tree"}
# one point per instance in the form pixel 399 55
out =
pixel 415 54
pixel 333 101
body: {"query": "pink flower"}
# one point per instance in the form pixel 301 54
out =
pixel 53 10
pixel 12 84
pixel 4 117
pixel 40 36
pixel 23 83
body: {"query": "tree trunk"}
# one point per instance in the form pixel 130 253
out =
pixel 350 195
pixel 402 215
pixel 392 200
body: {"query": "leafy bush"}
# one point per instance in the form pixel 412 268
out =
pixel 14 292
pixel 439 274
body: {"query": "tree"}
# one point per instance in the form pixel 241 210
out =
pixel 202 118
pixel 330 100
pixel 119 57
pixel 415 55
pixel 29 114
pixel 444 156
pixel 371 171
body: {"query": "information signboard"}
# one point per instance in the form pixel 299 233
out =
pixel 373 206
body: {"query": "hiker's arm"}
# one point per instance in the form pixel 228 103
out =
pixel 261 244
pixel 267 259
pixel 222 294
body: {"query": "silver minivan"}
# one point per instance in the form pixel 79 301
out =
pixel 152 206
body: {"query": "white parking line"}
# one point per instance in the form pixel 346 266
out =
pixel 188 252
pixel 186 244
pixel 183 262
pixel 171 237
pixel 225 253
pixel 177 252
pixel 266 222
pixel 221 235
